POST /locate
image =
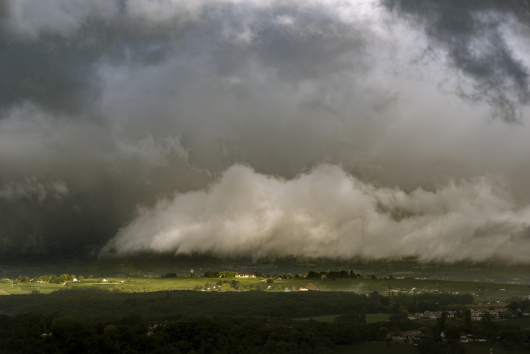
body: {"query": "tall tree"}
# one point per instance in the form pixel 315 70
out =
pixel 467 320
pixel 440 323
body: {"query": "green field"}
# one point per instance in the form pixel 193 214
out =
pixel 327 318
pixel 482 291
pixel 373 318
pixel 23 288
pixel 523 323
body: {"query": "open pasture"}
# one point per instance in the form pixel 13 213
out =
pixel 28 288
pixel 481 291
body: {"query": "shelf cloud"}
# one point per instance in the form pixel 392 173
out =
pixel 327 213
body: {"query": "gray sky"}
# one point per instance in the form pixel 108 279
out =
pixel 372 128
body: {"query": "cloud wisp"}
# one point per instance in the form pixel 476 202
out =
pixel 329 213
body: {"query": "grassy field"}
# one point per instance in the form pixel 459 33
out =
pixel 327 318
pixel 373 318
pixel 488 291
pixel 23 288
pixel 523 323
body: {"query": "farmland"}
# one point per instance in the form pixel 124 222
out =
pixel 481 291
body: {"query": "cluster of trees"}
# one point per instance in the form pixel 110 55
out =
pixel 249 332
pixel 96 304
pixel 333 275
pixel 509 335
pixel 65 334
pixel 239 334
pixel 352 317
pixel 216 274
pixel 517 307
pixel 169 275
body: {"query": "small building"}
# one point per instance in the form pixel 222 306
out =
pixel 154 324
pixel 395 336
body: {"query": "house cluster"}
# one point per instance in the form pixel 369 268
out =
pixel 416 336
pixel 410 278
pixel 435 291
pixel 464 338
pixel 476 315
pixel 409 336
pixel 154 324
pixel 430 315
pixel 245 276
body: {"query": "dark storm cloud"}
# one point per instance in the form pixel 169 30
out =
pixel 62 80
pixel 253 127
pixel 470 33
pixel 55 129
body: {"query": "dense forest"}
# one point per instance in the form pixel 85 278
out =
pixel 92 304
pixel 229 334
pixel 95 321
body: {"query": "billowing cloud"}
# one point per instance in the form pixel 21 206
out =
pixel 329 213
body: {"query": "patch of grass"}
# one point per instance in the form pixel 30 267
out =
pixel 5 286
pixel 327 318
pixel 372 318
pixel 523 323
pixel 480 348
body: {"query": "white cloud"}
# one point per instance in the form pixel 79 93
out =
pixel 328 213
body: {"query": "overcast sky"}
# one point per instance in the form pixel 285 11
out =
pixel 366 128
